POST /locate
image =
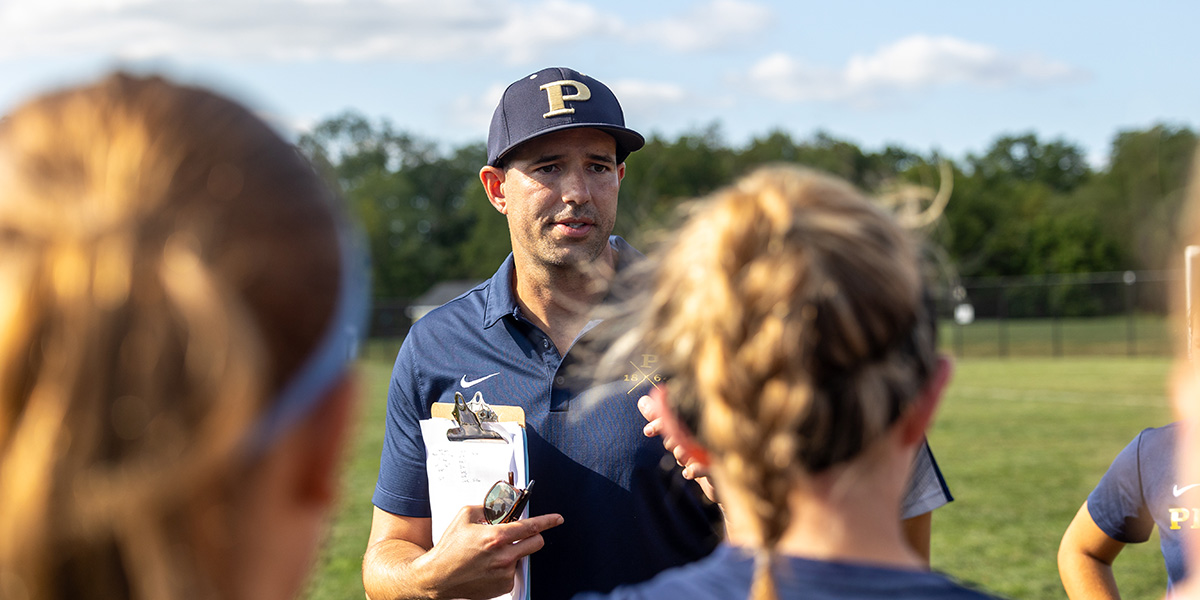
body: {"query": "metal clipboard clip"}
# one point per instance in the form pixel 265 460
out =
pixel 470 418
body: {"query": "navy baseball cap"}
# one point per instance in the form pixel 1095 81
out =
pixel 554 99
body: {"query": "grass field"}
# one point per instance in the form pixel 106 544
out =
pixel 1020 440
pixel 1143 335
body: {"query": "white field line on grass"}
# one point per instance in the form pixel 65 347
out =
pixel 1059 396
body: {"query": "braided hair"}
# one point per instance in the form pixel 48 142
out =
pixel 791 313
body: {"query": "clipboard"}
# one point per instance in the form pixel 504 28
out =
pixel 462 466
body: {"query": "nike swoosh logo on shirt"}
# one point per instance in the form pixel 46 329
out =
pixel 471 382
pixel 1178 491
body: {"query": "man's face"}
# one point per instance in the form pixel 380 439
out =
pixel 560 196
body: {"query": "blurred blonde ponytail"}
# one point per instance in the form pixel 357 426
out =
pixel 168 261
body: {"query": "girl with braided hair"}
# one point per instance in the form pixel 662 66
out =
pixel 791 316
pixel 177 308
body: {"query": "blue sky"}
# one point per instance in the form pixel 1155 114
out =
pixel 945 76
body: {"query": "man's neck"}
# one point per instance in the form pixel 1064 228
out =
pixel 559 300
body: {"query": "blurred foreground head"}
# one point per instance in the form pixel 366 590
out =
pixel 174 302
pixel 791 315
pixel 1185 383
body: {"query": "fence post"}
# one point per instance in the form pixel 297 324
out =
pixel 1002 325
pixel 1129 277
pixel 962 317
pixel 1056 334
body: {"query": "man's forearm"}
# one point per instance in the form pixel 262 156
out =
pixel 392 571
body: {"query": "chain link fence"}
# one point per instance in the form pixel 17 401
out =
pixel 1101 314
pixel 1121 313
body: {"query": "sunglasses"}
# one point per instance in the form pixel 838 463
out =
pixel 504 502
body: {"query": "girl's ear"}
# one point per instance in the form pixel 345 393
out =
pixel 920 415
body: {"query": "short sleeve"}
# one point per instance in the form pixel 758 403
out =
pixel 927 489
pixel 1117 505
pixel 402 488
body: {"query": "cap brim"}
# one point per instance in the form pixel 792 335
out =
pixel 628 140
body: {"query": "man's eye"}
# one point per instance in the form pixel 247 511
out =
pixel 600 168
pixel 546 169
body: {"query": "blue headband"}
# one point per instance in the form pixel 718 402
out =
pixel 331 357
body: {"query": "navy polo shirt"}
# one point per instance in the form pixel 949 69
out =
pixel 628 513
pixel 728 574
pixel 1140 490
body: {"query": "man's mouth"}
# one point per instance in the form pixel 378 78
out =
pixel 573 227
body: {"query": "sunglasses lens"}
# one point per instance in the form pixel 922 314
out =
pixel 500 500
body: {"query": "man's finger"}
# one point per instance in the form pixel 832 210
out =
pixel 681 454
pixel 528 546
pixel 526 528
pixel 652 428
pixel 646 405
pixel 695 470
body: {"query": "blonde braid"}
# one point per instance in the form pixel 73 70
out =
pixel 783 308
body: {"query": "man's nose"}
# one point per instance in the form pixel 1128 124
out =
pixel 575 187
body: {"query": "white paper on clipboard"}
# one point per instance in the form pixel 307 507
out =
pixel 461 473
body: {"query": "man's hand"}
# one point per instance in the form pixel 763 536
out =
pixel 680 442
pixel 480 560
pixel 472 560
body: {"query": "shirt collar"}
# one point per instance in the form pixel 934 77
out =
pixel 502 299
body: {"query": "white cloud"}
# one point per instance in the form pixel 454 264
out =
pixel 514 31
pixel 555 23
pixel 713 25
pixel 783 77
pixel 646 98
pixel 295 29
pixel 922 61
pixel 272 29
pixel 914 63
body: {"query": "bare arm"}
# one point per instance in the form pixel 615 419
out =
pixel 917 532
pixel 1085 559
pixel 472 560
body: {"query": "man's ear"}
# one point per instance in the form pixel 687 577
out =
pixel 621 172
pixel 493 185
pixel 920 414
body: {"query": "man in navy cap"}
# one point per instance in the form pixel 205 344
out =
pixel 610 512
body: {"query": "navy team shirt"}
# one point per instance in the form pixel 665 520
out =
pixel 728 573
pixel 628 513
pixel 1140 491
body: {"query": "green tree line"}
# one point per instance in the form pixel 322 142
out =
pixel 1025 206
